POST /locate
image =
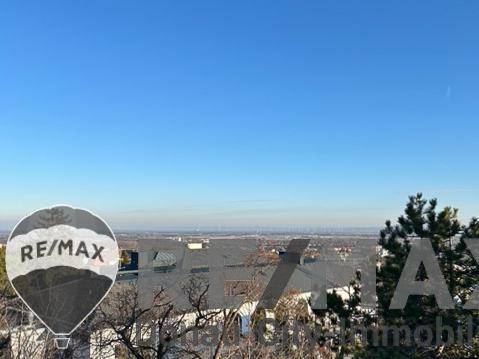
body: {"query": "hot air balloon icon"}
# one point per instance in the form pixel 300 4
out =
pixel 62 261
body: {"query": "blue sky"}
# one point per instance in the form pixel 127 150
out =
pixel 163 114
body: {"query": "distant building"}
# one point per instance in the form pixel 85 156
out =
pixel 195 245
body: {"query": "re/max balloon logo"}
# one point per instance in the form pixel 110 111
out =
pixel 62 262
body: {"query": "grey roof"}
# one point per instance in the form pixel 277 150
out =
pixel 164 259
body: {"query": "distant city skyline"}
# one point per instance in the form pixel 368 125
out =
pixel 238 115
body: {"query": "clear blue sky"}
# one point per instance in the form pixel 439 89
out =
pixel 160 114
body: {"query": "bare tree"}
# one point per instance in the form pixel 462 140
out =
pixel 151 332
pixel 123 327
pixel 22 336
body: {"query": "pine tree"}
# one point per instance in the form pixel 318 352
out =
pixel 422 219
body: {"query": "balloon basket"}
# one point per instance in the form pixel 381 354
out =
pixel 62 342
